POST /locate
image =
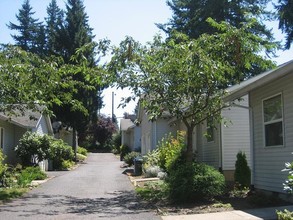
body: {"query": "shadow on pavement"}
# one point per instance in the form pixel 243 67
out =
pixel 112 205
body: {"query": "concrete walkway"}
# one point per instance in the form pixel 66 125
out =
pixel 94 190
pixel 253 214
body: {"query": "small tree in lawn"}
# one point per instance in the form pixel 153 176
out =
pixel 242 173
pixel 186 77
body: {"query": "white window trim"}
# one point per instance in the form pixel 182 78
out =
pixel 273 121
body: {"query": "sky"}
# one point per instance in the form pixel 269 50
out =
pixel 114 19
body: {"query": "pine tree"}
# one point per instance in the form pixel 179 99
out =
pixel 242 173
pixel 285 15
pixel 76 31
pixel 31 34
pixel 54 23
pixel 190 17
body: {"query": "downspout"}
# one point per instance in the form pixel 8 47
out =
pixel 251 140
pixel 220 149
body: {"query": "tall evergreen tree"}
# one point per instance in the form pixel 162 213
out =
pixel 31 31
pixel 54 21
pixel 190 17
pixel 76 31
pixel 285 14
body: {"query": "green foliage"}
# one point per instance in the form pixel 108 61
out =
pixel 288 185
pixel 194 181
pixel 187 77
pixel 82 151
pixel 171 150
pixel 31 35
pixel 116 143
pixel 29 174
pixel 7 194
pixel 3 167
pixel 32 148
pixel 128 158
pixel 80 157
pixel 123 151
pixel 152 171
pixel 285 16
pixel 59 152
pixel 153 191
pixel 284 215
pixel 151 159
pixel 242 173
pixel 66 164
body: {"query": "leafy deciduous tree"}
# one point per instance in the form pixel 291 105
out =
pixel 186 77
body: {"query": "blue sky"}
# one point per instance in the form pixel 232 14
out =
pixel 113 19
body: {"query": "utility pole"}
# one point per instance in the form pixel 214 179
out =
pixel 112 106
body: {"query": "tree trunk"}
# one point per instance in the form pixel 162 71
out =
pixel 189 149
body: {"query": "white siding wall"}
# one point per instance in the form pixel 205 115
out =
pixel 269 161
pixel 236 134
pixel 208 152
pixel 146 127
pixel 42 127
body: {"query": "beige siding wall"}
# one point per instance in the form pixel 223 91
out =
pixel 269 161
pixel 235 134
pixel 146 129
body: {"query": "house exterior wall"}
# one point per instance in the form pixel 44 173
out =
pixel 269 161
pixel 42 126
pixel 235 135
pixel 208 152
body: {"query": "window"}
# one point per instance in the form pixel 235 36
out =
pixel 1 138
pixel 210 130
pixel 273 121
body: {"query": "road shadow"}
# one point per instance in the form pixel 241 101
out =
pixel 114 204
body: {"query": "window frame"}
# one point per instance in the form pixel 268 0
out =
pixel 264 123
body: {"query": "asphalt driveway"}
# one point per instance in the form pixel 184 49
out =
pixel 95 190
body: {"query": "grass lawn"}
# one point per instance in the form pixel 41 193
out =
pixel 7 194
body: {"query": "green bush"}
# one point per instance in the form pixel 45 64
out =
pixel 170 150
pixel 284 215
pixel 242 173
pixel 67 164
pixel 116 143
pixel 29 174
pixel 82 151
pixel 32 148
pixel 59 152
pixel 128 158
pixel 123 151
pixel 80 157
pixel 189 181
pixel 3 168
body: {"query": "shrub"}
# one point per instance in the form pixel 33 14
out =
pixel 151 159
pixel 67 164
pixel 116 143
pixel 288 185
pixel 190 181
pixel 59 152
pixel 80 157
pixel 284 215
pixel 170 150
pixel 32 148
pixel 123 151
pixel 82 151
pixel 3 168
pixel 242 173
pixel 152 171
pixel 128 158
pixel 29 174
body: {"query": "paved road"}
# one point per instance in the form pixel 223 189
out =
pixel 95 190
